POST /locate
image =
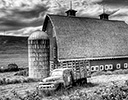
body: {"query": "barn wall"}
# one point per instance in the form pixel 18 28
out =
pixel 53 45
pixel 76 64
pixel 97 64
pixel 49 31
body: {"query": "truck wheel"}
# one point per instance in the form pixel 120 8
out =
pixel 60 86
pixel 84 81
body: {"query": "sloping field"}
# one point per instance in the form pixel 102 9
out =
pixel 13 49
pixel 98 81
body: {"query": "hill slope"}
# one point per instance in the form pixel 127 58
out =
pixel 13 49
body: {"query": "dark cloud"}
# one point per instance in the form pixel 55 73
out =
pixel 31 13
pixel 19 18
pixel 115 2
pixel 120 15
pixel 7 24
pixel 18 15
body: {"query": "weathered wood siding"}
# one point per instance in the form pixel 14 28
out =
pixel 76 64
pixel 53 45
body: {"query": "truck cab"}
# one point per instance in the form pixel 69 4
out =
pixel 58 78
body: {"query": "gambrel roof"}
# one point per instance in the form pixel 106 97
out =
pixel 81 37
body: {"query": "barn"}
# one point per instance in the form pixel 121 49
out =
pixel 98 43
pixel 101 42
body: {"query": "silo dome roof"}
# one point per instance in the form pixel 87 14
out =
pixel 38 35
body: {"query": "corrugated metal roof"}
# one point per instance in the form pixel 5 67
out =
pixel 89 37
pixel 38 35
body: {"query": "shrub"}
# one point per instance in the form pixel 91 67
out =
pixel 5 81
pixel 12 67
pixel 22 72
pixel 33 95
pixel 121 71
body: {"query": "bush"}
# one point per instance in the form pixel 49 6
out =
pixel 33 95
pixel 12 67
pixel 22 72
pixel 121 71
pixel 5 81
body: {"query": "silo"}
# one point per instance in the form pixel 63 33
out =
pixel 38 55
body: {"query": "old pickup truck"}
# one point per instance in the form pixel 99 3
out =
pixel 64 77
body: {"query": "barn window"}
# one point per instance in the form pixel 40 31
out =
pixel 118 66
pixel 110 66
pixel 87 63
pixel 125 65
pixel 70 64
pixel 97 68
pixel 61 64
pixel 101 67
pixel 73 63
pixel 81 63
pixel 92 68
pixel 64 64
pixel 106 67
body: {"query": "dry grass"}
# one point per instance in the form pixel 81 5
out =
pixel 116 72
pixel 98 82
pixel 87 89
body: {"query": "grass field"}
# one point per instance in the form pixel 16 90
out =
pixel 20 59
pixel 97 82
pixel 13 49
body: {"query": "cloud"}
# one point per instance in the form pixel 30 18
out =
pixel 19 14
pixel 84 7
pixel 115 2
pixel 24 31
pixel 25 16
pixel 121 14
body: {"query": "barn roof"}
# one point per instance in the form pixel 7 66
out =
pixel 79 37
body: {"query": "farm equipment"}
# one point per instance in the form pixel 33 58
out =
pixel 64 77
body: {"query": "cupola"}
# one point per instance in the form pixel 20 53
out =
pixel 104 15
pixel 71 12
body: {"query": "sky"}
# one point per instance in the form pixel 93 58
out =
pixel 22 17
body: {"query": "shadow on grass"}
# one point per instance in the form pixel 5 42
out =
pixel 69 90
pixel 91 85
pixel 13 70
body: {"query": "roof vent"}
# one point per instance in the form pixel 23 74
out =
pixel 71 12
pixel 104 15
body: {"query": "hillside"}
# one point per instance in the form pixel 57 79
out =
pixel 13 49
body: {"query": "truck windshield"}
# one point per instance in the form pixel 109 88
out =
pixel 57 73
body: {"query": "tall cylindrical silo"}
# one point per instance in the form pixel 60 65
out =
pixel 38 55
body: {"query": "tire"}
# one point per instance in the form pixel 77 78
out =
pixel 84 81
pixel 60 86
